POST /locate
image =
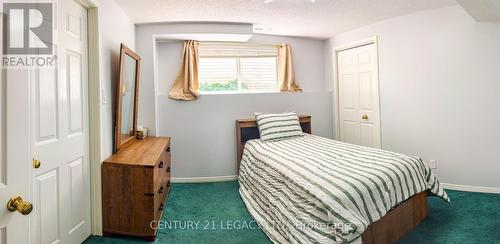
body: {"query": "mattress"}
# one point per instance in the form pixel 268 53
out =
pixel 312 189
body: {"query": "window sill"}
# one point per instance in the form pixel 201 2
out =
pixel 238 92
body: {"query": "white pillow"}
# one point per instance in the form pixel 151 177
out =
pixel 275 127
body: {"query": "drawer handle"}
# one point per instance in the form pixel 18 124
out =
pixel 161 190
pixel 168 169
pixel 168 149
pixel 161 164
pixel 162 206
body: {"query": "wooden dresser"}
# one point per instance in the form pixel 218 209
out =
pixel 135 186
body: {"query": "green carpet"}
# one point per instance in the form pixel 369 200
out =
pixel 223 218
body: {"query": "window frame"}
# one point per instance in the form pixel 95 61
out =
pixel 238 69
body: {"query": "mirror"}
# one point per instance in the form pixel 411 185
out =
pixel 127 98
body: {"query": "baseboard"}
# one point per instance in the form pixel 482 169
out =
pixel 471 188
pixel 204 179
pixel 482 189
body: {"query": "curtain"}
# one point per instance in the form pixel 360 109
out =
pixel 185 86
pixel 286 75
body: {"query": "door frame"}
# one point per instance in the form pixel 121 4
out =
pixel 94 100
pixel 336 109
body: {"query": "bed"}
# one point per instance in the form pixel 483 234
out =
pixel 312 189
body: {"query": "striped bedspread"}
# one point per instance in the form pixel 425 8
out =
pixel 311 189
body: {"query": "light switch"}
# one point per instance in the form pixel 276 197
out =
pixel 432 164
pixel 103 97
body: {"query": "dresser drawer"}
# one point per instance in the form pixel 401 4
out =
pixel 159 198
pixel 161 170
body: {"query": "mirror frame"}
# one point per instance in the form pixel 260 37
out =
pixel 124 50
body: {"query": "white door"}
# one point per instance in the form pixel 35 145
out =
pixel 359 111
pixel 15 158
pixel 46 112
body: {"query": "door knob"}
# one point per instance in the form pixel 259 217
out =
pixel 18 204
pixel 36 163
pixel 365 116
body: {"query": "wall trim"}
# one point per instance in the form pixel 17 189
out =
pixel 482 189
pixel 94 101
pixel 204 179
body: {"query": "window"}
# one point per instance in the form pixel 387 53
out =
pixel 237 68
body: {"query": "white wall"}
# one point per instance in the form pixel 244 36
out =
pixel 115 27
pixel 146 48
pixel 439 90
pixel 203 131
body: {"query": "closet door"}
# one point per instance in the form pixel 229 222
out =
pixel 358 93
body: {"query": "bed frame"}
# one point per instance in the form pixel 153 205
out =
pixel 395 224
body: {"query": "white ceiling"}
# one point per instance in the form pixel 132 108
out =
pixel 321 19
pixel 482 10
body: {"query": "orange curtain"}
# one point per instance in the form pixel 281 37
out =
pixel 286 74
pixel 185 86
